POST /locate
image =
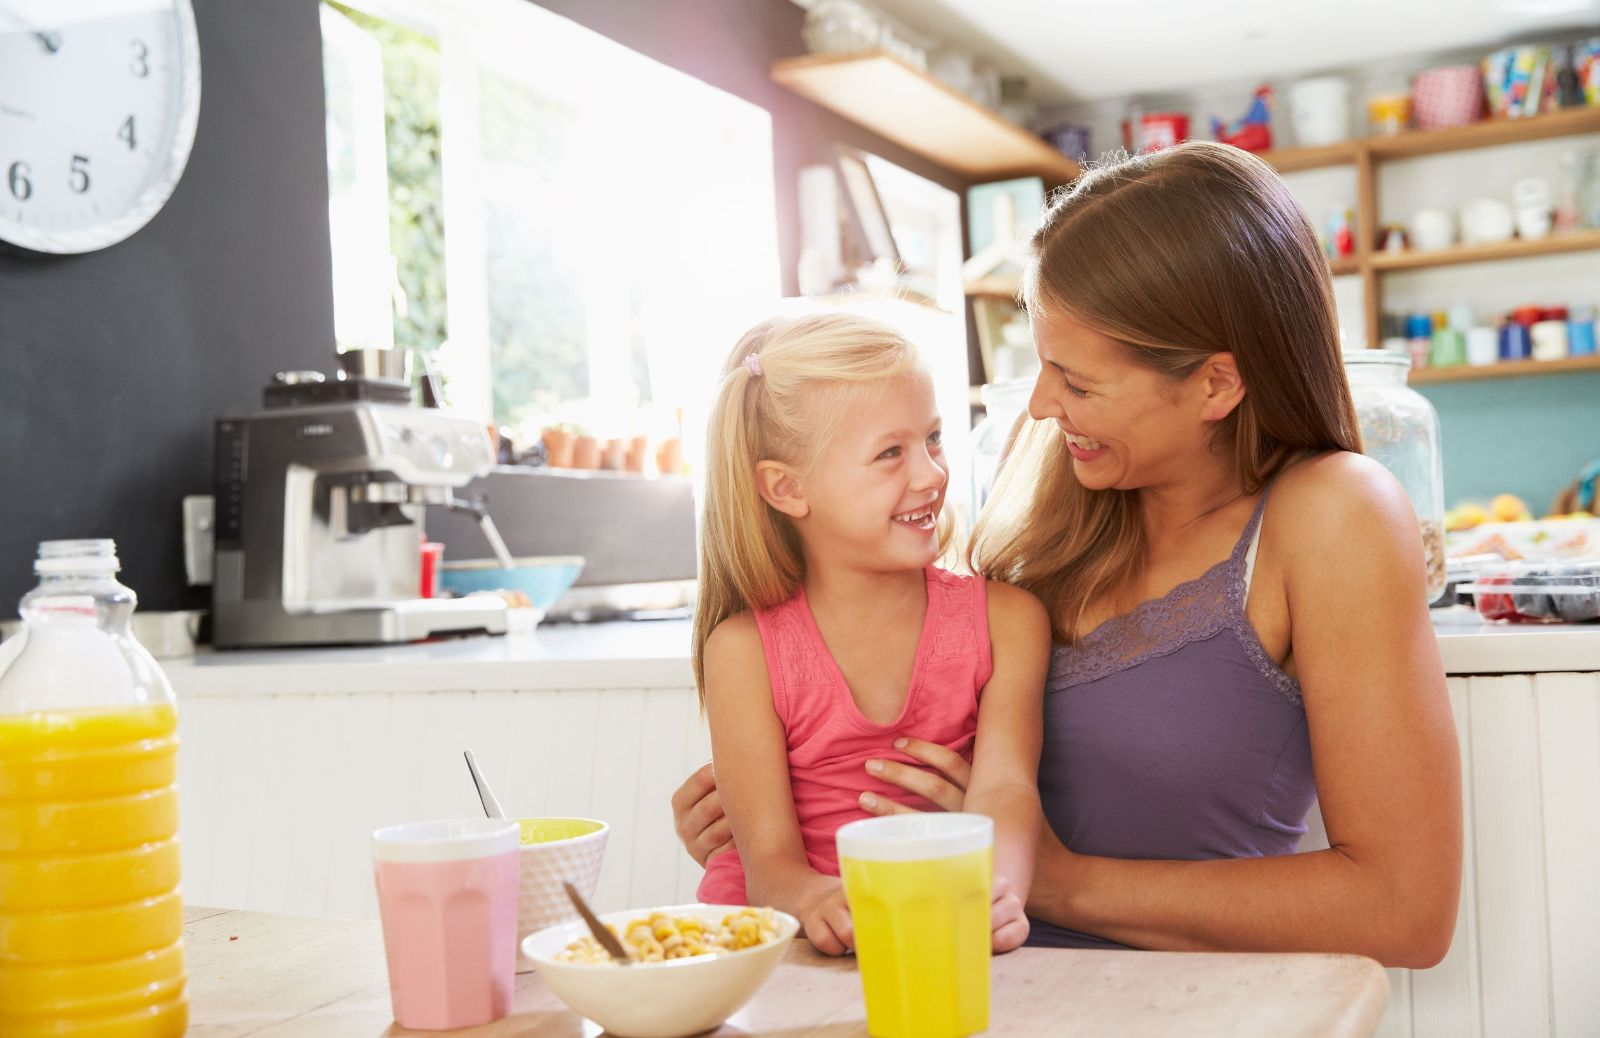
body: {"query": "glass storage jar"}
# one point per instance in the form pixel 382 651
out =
pixel 1400 431
pixel 1002 403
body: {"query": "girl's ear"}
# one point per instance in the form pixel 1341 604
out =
pixel 1221 386
pixel 779 487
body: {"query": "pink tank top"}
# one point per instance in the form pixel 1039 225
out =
pixel 829 740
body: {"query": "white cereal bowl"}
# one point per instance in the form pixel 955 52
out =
pixel 660 999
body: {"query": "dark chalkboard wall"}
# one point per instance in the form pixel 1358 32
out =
pixel 113 365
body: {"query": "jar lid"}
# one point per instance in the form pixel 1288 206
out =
pixel 1386 358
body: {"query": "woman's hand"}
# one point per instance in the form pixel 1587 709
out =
pixel 697 816
pixel 1008 926
pixel 825 919
pixel 945 785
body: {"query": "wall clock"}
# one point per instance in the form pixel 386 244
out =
pixel 98 105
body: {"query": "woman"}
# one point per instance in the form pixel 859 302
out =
pixel 1236 594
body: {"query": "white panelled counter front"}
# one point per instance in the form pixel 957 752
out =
pixel 290 758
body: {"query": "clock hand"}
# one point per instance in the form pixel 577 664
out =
pixel 51 40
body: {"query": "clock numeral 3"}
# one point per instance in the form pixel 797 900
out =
pixel 17 179
pixel 141 60
pixel 126 133
pixel 80 173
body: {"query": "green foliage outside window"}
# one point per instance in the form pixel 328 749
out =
pixel 416 189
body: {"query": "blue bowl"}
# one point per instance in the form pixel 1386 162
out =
pixel 543 578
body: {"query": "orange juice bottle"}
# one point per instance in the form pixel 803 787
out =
pixel 91 920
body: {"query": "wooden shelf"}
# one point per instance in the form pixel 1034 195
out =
pixel 1485 134
pixel 911 108
pixel 1294 160
pixel 1571 241
pixel 1504 369
pixel 995 287
pixel 1414 143
pixel 1345 265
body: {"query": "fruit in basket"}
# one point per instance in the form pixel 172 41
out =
pixel 1509 508
pixel 1465 516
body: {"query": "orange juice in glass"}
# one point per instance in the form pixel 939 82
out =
pixel 919 888
pixel 91 920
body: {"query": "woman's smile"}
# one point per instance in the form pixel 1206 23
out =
pixel 1082 448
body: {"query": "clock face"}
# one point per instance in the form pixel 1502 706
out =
pixel 98 105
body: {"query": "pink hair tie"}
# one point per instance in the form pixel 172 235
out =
pixel 752 364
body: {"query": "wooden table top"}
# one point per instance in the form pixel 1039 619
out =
pixel 272 975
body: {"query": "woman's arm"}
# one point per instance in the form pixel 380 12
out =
pixel 1384 749
pixel 1005 760
pixel 747 742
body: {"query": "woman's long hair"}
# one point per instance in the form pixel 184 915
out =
pixel 784 405
pixel 1178 255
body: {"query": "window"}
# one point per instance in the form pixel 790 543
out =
pixel 578 232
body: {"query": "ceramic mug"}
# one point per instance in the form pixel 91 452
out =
pixel 1486 220
pixel 1320 110
pixel 1432 229
pixel 1531 199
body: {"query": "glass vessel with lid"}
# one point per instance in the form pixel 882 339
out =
pixel 1002 402
pixel 1400 431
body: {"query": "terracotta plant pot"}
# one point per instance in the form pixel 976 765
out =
pixel 669 457
pixel 585 453
pixel 638 449
pixel 557 447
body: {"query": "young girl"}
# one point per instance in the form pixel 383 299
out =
pixel 825 635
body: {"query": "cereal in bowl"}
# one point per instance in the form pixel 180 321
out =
pixel 660 937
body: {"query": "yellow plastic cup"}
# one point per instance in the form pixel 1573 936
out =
pixel 919 889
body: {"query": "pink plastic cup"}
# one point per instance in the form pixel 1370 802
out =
pixel 447 894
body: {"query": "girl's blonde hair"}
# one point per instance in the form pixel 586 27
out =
pixel 1181 254
pixel 783 405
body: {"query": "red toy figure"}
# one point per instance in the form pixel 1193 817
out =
pixel 1253 131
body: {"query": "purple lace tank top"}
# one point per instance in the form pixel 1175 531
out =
pixel 1170 734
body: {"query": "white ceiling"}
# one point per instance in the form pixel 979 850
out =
pixel 1078 50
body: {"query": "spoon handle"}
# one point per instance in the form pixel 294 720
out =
pixel 491 806
pixel 601 931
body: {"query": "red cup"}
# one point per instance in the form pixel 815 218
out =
pixel 432 560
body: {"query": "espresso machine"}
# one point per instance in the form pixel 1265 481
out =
pixel 320 498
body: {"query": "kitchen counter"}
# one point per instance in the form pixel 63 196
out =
pixel 654 653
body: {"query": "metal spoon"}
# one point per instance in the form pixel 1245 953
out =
pixel 491 806
pixel 601 931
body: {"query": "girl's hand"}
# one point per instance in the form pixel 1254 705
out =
pixel 697 816
pixel 1008 926
pixel 826 922
pixel 945 785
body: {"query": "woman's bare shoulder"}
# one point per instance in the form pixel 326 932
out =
pixel 1336 502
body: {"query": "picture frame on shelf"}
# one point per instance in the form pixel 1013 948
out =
pixel 864 209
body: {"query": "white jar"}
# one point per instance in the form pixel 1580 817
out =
pixel 1320 110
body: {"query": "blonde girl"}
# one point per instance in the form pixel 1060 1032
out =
pixel 825 635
